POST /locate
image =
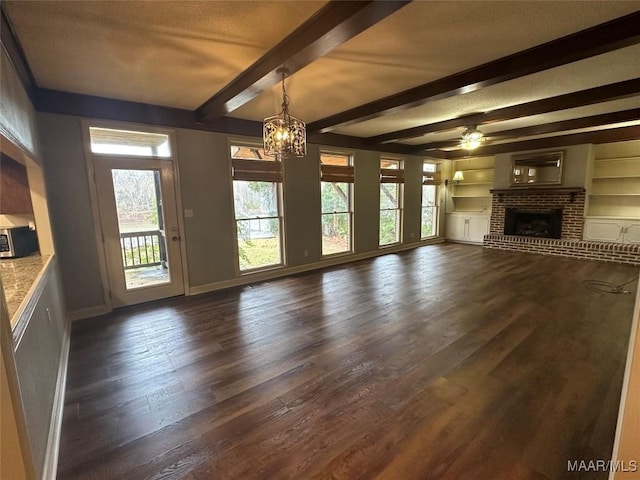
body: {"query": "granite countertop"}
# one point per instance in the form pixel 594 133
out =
pixel 18 276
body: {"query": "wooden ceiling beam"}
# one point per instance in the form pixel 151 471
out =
pixel 553 127
pixel 331 26
pixel 610 135
pixel 609 36
pixel 604 93
pixel 358 143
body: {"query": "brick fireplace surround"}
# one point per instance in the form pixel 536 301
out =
pixel 570 244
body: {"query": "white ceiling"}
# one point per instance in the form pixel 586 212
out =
pixel 179 54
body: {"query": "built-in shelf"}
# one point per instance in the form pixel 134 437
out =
pixel 615 177
pixel 463 184
pixel 612 217
pixel 471 195
pixel 614 194
pixel 459 211
pixel 473 170
pixel 618 159
pixel 615 187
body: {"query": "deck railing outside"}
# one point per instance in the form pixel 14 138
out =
pixel 142 249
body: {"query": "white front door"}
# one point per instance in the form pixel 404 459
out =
pixel 138 216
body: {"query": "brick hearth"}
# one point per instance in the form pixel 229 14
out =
pixel 570 244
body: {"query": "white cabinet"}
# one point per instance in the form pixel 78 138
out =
pixel 467 227
pixel 40 345
pixel 617 230
pixel 632 232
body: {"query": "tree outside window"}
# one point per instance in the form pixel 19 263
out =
pixel 390 202
pixel 429 215
pixel 257 209
pixel 336 195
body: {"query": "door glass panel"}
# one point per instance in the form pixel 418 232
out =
pixel 138 196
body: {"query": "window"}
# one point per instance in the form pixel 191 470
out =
pixel 391 179
pixel 257 193
pixel 127 142
pixel 429 215
pixel 336 190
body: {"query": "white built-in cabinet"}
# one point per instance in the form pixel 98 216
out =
pixel 616 230
pixel 469 200
pixel 467 227
pixel 41 341
pixel 613 213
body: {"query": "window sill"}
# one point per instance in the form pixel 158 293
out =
pixel 261 269
pixel 339 254
pixel 389 245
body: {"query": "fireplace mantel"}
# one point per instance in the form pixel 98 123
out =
pixel 500 192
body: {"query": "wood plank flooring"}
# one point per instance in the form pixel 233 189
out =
pixel 444 362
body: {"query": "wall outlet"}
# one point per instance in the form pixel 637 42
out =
pixel 412 235
pixel 306 253
pixel 188 213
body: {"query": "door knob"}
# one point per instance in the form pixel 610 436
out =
pixel 175 238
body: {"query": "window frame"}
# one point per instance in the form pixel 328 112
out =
pixel 279 204
pixel 132 128
pixel 350 201
pixel 398 180
pixel 435 207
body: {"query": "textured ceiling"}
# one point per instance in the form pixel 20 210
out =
pixel 425 41
pixel 179 54
pixel 586 111
pixel 160 52
pixel 623 64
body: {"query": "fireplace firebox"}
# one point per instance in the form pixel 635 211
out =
pixel 527 223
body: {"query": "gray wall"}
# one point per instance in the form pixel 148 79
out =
pixel 366 201
pixel 204 179
pixel 205 172
pixel 302 208
pixel 70 210
pixel 412 199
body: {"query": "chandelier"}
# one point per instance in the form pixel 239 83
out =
pixel 283 134
pixel 471 138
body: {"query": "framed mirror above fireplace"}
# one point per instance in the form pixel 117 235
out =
pixel 533 169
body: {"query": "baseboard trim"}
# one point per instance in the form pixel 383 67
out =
pixel 283 272
pixel 98 310
pixel 466 242
pixel 50 469
pixel 83 313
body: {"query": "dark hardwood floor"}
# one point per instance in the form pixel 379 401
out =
pixel 444 362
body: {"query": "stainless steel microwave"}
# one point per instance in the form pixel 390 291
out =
pixel 17 242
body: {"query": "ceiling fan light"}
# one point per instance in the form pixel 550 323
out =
pixel 472 138
pixel 470 144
